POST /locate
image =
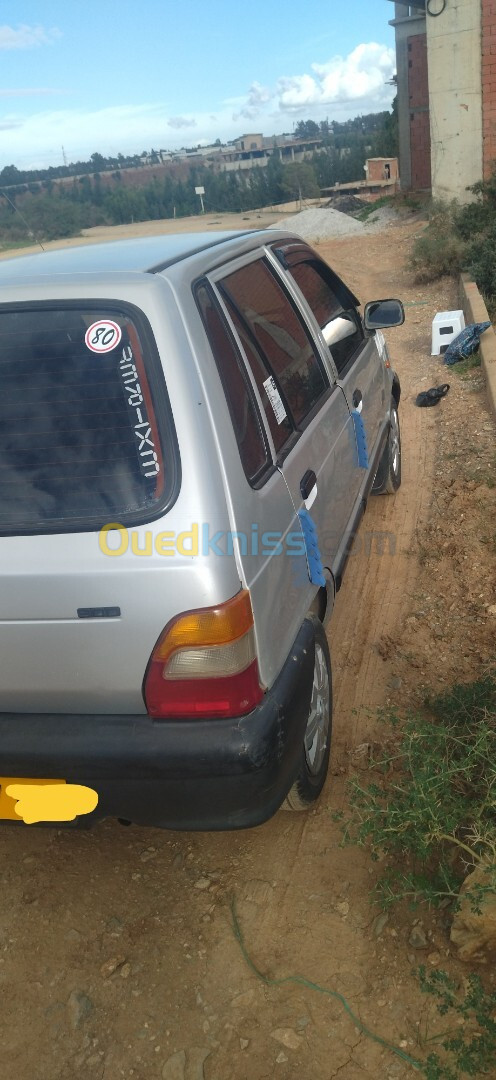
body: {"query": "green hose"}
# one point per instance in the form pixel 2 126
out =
pixel 299 980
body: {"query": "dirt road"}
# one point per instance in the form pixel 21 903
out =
pixel 118 956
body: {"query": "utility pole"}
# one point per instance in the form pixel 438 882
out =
pixel 64 158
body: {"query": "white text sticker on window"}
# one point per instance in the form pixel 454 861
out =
pixel 275 399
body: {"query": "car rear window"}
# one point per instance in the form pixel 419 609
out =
pixel 250 438
pixel 80 445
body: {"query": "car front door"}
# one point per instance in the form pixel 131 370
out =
pixel 359 368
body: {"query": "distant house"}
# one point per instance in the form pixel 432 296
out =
pixel 446 78
pixel 247 152
pixel 249 142
pixel 381 178
pixel 255 151
pixel 381 168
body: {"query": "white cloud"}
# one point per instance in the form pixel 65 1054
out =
pixel 360 76
pixel 126 128
pixel 27 37
pixel 258 96
pixel 181 122
pixel 341 88
pixel 246 114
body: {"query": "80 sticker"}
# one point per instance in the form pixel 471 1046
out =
pixel 103 336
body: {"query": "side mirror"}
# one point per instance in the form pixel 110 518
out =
pixel 380 314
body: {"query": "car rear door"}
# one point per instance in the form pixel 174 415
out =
pixel 265 542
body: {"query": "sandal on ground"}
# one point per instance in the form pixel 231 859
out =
pixel 432 396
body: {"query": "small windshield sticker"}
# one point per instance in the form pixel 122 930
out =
pixel 103 336
pixel 275 399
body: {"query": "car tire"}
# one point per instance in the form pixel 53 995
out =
pixel 317 741
pixel 388 476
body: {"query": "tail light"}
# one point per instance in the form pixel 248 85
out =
pixel 205 665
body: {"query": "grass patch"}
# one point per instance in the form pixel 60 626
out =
pixel 464 367
pixel 439 250
pixel 469 1044
pixel 462 238
pixel 385 200
pixel 15 244
pixel 431 813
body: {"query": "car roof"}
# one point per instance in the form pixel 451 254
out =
pixel 146 255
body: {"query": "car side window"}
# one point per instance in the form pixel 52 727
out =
pixel 341 329
pixel 281 336
pixel 245 417
pixel 280 427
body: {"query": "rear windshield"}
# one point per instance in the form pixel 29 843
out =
pixel 79 440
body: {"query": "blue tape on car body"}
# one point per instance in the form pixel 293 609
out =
pixel 315 568
pixel 361 440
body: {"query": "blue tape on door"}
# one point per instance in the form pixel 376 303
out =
pixel 314 561
pixel 361 440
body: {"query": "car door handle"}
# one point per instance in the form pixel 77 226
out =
pixel 307 483
pixel 357 398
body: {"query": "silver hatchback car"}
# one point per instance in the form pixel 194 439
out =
pixel 190 427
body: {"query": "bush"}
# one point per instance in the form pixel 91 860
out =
pixel 481 260
pixel 440 250
pixel 470 1044
pixel 432 809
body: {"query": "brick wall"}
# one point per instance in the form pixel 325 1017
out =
pixel 420 143
pixel 489 84
pixel 418 98
pixel 377 169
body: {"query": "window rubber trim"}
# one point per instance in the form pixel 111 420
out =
pixel 258 480
pixel 304 253
pixel 162 412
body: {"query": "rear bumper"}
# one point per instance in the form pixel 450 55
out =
pixel 184 774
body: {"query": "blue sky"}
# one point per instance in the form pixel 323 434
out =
pixel 98 76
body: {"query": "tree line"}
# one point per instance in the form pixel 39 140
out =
pixel 59 210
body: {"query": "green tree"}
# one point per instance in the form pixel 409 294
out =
pixel 307 129
pixel 299 179
pixel 11 175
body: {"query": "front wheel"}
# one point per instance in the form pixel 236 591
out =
pixel 388 477
pixel 317 740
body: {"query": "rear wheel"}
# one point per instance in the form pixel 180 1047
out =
pixel 388 476
pixel 317 740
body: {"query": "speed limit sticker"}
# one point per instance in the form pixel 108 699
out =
pixel 103 336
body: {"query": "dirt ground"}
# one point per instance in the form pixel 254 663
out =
pixel 101 234
pixel 118 954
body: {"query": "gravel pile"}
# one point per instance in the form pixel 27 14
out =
pixel 385 215
pixel 320 224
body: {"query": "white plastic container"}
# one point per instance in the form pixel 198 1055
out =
pixel 446 325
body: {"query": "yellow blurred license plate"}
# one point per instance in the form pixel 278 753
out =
pixel 8 803
pixel 32 800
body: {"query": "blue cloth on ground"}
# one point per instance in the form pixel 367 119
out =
pixel 465 343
